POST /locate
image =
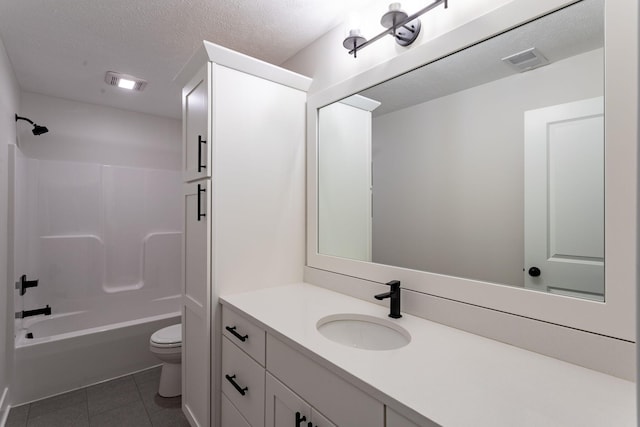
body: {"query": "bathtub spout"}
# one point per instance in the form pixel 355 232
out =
pixel 27 313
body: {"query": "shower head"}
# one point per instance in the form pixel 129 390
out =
pixel 37 130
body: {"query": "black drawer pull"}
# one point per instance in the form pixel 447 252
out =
pixel 235 334
pixel 200 142
pixel 200 190
pixel 300 418
pixel 241 390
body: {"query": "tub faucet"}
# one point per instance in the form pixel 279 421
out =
pixel 23 284
pixel 394 294
pixel 27 313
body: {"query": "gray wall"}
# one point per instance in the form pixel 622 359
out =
pixel 455 167
pixel 9 105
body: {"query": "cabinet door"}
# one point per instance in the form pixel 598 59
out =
pixel 196 150
pixel 283 407
pixel 319 420
pixel 196 304
pixel 230 416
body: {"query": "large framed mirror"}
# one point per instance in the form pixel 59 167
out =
pixel 490 174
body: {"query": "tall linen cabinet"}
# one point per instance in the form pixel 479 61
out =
pixel 244 200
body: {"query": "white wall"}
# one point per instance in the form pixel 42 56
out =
pixel 82 132
pixel 328 62
pixel 344 188
pixel 458 162
pixel 9 104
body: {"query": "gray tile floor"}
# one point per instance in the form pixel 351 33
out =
pixel 130 401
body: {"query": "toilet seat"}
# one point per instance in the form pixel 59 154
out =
pixel 169 337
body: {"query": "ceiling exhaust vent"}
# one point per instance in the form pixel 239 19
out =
pixel 124 81
pixel 526 60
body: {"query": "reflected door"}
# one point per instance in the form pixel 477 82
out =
pixel 564 199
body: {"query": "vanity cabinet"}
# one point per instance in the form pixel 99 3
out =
pixel 267 383
pixel 243 368
pixel 243 204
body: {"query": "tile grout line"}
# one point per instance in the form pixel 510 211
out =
pixel 86 404
pixel 146 411
pixel 26 422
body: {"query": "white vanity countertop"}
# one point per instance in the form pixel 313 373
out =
pixel 451 377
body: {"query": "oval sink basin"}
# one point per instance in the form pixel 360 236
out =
pixel 362 331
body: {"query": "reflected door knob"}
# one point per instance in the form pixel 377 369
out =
pixel 534 272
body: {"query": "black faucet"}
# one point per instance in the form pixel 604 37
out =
pixel 28 313
pixel 394 294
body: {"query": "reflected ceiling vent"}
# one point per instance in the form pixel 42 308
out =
pixel 124 81
pixel 526 60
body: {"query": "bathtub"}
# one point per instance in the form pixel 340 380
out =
pixel 111 342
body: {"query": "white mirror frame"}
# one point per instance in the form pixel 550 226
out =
pixel 616 316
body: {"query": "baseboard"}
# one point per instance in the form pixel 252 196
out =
pixel 600 353
pixel 4 407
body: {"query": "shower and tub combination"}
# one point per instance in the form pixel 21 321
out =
pixel 104 244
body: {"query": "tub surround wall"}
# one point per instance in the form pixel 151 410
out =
pixel 9 105
pixel 90 232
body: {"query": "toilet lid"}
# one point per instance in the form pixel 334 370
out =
pixel 169 335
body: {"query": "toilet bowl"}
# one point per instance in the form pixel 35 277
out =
pixel 166 344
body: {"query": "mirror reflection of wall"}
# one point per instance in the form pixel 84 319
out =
pixel 449 160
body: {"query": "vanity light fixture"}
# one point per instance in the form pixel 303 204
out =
pixel 398 23
pixel 124 81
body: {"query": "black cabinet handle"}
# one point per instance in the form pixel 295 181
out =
pixel 534 272
pixel 300 418
pixel 200 142
pixel 200 190
pixel 241 390
pixel 242 338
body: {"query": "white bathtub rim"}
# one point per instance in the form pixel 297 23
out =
pixel 21 340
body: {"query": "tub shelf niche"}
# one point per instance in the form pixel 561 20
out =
pixel 73 266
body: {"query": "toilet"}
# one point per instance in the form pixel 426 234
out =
pixel 166 344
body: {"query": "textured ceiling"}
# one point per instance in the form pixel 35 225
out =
pixel 64 47
pixel 570 31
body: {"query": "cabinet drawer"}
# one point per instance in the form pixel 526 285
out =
pixel 240 331
pixel 230 417
pixel 334 397
pixel 248 376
